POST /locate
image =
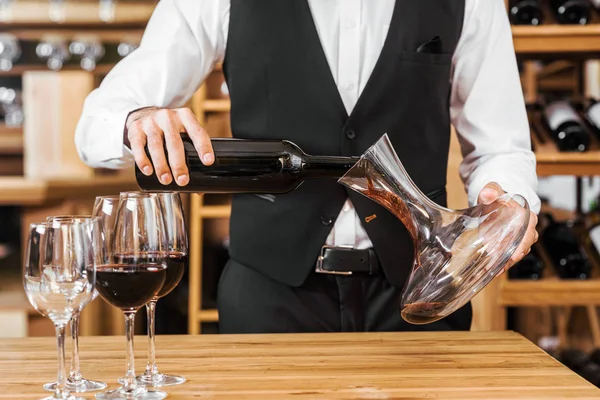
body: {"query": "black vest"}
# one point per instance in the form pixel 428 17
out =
pixel 281 87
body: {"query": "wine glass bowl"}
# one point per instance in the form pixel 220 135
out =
pixel 59 276
pixel 176 260
pixel 457 252
pixel 131 272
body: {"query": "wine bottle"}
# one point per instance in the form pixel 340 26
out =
pixel 593 115
pixel 251 166
pixel 89 51
pixel 571 11
pixel 567 127
pixel 530 267
pixel 525 12
pixel 591 373
pixel 595 356
pixel 11 105
pixel 574 359
pixel 592 229
pixel 564 250
pixel 596 4
pixel 54 52
pixel 10 51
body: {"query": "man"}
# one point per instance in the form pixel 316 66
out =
pixel 331 76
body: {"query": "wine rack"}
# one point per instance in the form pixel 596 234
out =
pixel 35 177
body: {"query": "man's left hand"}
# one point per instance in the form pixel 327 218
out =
pixel 491 192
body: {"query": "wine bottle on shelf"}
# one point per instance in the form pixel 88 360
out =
pixel 563 248
pixel 596 4
pixel 89 51
pixel 591 373
pixel 125 48
pixel 574 359
pixel 530 267
pixel 106 10
pixel 566 126
pixel 251 166
pixel 593 115
pixel 592 229
pixel 54 52
pixel 11 105
pixel 525 12
pixel 10 51
pixel 568 12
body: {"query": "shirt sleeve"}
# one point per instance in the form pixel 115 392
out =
pixel 488 108
pixel 182 43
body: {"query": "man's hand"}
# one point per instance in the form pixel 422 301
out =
pixel 162 126
pixel 491 192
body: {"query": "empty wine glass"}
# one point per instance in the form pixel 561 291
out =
pixel 132 272
pixel 59 276
pixel 177 257
pixel 76 382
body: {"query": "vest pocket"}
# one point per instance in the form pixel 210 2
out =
pixel 427 58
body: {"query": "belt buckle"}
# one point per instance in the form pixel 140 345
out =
pixel 319 268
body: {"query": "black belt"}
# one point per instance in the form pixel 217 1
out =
pixel 337 260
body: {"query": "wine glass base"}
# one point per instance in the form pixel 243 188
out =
pixel 65 398
pixel 80 386
pixel 140 393
pixel 157 380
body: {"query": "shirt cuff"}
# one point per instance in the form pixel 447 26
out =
pixel 509 184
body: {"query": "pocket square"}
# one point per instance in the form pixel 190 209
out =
pixel 433 46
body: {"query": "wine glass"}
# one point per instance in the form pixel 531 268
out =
pixel 177 257
pixel 59 276
pixel 76 382
pixel 131 273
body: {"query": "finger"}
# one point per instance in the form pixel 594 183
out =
pixel 154 136
pixel 198 134
pixel 137 141
pixel 490 192
pixel 528 240
pixel 169 122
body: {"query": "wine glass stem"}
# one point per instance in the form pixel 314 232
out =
pixel 75 374
pixel 151 312
pixel 61 385
pixel 130 385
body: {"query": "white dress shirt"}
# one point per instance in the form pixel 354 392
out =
pixel 184 40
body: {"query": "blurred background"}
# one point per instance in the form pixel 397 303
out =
pixel 53 53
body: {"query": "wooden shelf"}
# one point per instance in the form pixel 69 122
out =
pixel 18 70
pixel 550 292
pixel 11 140
pixel 78 13
pixel 223 211
pixel 222 105
pixel 208 316
pixel 552 38
pixel 23 191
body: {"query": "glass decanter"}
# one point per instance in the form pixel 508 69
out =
pixel 457 253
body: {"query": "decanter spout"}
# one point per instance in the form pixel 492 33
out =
pixel 457 253
pixel 380 176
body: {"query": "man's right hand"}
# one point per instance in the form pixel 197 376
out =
pixel 158 126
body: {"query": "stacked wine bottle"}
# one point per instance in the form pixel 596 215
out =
pixel 584 364
pixel 573 126
pixel 566 12
pixel 569 248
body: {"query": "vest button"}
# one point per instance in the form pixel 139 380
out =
pixel 350 134
pixel 326 220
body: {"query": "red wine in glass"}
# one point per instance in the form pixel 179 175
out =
pixel 176 264
pixel 130 286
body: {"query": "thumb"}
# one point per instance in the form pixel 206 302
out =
pixel 489 193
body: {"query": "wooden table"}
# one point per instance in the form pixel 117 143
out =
pixel 468 365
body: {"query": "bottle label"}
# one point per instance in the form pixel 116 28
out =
pixel 595 237
pixel 593 114
pixel 559 112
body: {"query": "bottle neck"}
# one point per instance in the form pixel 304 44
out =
pixel 327 166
